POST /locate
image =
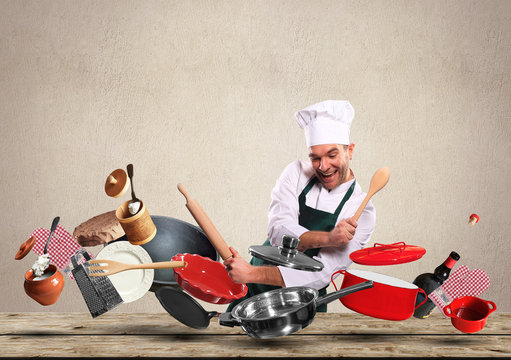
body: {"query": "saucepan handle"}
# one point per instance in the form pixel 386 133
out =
pixel 448 311
pixel 343 292
pixel 337 272
pixel 226 319
pixel 492 306
pixel 425 298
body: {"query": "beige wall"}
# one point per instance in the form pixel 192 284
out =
pixel 203 92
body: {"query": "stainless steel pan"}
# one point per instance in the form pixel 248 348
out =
pixel 282 311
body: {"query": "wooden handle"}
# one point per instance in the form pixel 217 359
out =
pixel 160 265
pixel 206 225
pixel 378 181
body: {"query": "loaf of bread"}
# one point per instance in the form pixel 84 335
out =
pixel 99 230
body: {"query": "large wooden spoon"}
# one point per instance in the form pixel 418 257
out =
pixel 378 181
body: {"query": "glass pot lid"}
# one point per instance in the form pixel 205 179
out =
pixel 286 255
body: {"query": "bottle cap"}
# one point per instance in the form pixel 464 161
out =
pixel 454 255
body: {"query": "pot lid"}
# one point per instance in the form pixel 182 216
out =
pixel 286 255
pixel 387 254
pixel 116 183
pixel 25 248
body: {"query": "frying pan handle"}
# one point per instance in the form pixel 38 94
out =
pixel 425 298
pixel 226 319
pixel 343 292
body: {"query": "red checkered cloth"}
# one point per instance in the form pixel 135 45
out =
pixel 461 283
pixel 62 245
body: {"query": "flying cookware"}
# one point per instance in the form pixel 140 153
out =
pixel 282 311
pixel 389 299
pixel 205 279
pixel 173 237
pixel 43 282
pixel 132 214
pixel 184 308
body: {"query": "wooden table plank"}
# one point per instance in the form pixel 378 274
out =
pixel 130 323
pixel 159 335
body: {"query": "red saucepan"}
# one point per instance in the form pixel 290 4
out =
pixel 389 299
pixel 469 313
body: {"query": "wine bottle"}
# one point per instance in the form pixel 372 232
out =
pixel 429 282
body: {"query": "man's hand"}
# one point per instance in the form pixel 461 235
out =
pixel 239 270
pixel 342 233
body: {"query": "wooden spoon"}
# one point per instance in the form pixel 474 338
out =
pixel 113 267
pixel 378 181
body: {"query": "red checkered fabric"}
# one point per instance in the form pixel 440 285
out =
pixel 62 245
pixel 461 283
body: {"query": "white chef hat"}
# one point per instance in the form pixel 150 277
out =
pixel 327 122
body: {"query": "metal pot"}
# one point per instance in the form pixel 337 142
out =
pixel 282 311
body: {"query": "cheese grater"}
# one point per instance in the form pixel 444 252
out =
pixel 98 292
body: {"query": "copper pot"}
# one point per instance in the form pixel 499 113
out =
pixel 47 290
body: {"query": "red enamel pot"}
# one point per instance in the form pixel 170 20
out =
pixel 468 314
pixel 207 280
pixel 389 299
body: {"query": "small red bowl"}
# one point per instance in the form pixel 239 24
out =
pixel 207 280
pixel 469 313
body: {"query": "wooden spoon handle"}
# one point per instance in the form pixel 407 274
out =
pixel 378 181
pixel 206 225
pixel 160 265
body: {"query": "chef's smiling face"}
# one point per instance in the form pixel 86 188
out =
pixel 331 163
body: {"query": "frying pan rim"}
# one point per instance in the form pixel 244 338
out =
pixel 266 294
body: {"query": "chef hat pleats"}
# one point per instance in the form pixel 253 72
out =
pixel 327 122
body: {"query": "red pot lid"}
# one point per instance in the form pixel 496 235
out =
pixel 387 254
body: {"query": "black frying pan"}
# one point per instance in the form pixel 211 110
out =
pixel 184 308
pixel 173 237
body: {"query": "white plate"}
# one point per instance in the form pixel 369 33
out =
pixel 130 284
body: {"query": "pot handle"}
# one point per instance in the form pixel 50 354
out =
pixel 343 292
pixel 226 319
pixel 343 272
pixel 492 306
pixel 425 298
pixel 448 311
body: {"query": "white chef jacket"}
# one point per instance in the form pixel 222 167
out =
pixel 283 220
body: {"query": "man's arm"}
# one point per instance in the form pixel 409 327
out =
pixel 341 234
pixel 242 272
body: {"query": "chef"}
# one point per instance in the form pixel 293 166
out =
pixel 313 201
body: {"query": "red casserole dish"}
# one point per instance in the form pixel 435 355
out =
pixel 207 280
pixel 390 298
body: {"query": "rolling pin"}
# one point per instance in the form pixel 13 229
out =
pixel 206 225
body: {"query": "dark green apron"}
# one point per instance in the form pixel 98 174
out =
pixel 311 219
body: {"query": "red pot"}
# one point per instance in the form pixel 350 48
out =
pixel 468 314
pixel 389 299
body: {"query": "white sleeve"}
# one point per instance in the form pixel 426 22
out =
pixel 284 208
pixel 334 258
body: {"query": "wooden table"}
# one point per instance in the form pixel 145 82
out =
pixel 329 335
